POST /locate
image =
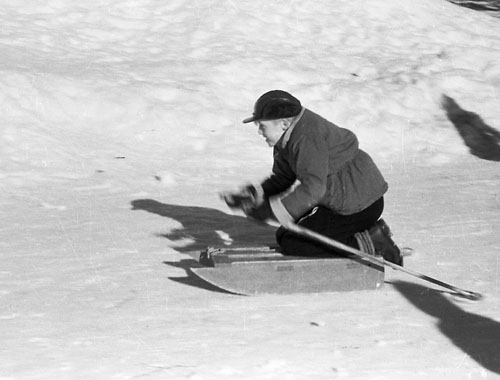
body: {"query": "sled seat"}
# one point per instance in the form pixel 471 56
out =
pixel 265 270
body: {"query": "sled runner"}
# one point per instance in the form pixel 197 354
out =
pixel 264 270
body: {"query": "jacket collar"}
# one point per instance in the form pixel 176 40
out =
pixel 288 132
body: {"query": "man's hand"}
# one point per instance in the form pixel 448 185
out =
pixel 248 199
pixel 244 198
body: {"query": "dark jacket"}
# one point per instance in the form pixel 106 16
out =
pixel 330 169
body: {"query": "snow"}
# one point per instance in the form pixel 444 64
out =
pixel 120 122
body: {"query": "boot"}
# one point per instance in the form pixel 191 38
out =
pixel 384 245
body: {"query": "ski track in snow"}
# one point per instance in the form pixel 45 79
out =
pixel 121 121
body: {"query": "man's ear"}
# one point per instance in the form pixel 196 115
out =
pixel 285 123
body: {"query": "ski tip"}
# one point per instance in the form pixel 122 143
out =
pixel 476 296
pixel 473 296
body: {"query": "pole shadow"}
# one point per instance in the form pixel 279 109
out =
pixel 482 140
pixel 475 335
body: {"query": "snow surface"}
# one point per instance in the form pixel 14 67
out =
pixel 120 122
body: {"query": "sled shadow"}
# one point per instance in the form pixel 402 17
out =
pixel 482 140
pixel 207 227
pixel 190 279
pixel 477 336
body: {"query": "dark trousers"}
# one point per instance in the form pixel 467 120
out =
pixel 326 222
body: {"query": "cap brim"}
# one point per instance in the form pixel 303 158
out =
pixel 249 119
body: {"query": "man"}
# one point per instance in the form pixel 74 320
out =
pixel 320 180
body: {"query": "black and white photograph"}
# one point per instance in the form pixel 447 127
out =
pixel 249 190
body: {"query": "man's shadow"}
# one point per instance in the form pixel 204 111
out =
pixel 208 227
pixel 477 336
pixel 205 227
pixel 483 141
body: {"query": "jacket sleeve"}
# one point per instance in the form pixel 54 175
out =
pixel 281 179
pixel 310 154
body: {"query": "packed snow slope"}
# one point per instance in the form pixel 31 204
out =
pixel 120 122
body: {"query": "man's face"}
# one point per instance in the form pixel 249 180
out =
pixel 271 130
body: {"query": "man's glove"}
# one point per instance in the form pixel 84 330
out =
pixel 250 201
pixel 245 198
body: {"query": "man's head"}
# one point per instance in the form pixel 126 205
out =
pixel 274 105
pixel 273 114
pixel 272 130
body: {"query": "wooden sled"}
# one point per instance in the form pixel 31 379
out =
pixel 264 270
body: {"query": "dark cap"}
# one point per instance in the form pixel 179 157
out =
pixel 275 105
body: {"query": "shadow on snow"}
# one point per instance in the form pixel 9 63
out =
pixel 206 227
pixel 480 5
pixel 482 140
pixel 477 336
pixel 190 279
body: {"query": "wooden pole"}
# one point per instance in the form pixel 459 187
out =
pixel 378 260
